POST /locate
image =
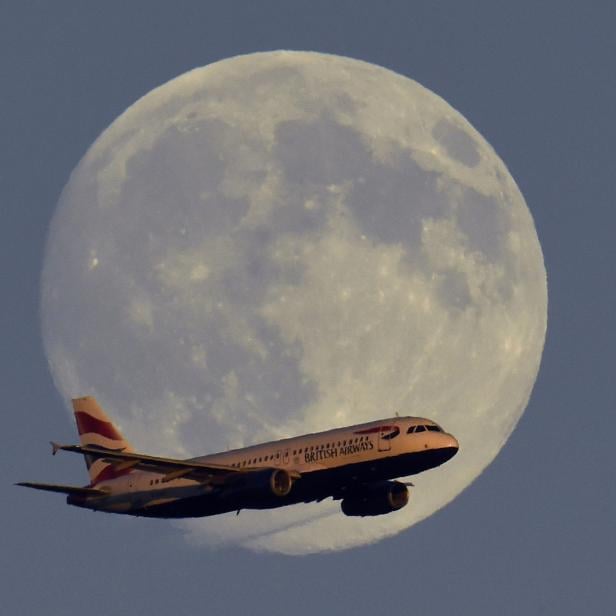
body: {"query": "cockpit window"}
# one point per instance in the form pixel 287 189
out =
pixel 424 428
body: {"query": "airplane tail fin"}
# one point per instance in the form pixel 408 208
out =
pixel 96 430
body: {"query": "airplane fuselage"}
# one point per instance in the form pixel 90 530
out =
pixel 345 463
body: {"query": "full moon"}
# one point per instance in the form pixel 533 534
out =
pixel 287 242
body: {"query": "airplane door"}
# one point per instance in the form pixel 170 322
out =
pixel 285 456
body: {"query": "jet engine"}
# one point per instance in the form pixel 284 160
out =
pixel 262 484
pixel 376 499
pixel 280 482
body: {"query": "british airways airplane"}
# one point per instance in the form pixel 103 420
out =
pixel 357 465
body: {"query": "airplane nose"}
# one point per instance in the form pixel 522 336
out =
pixel 446 448
pixel 451 444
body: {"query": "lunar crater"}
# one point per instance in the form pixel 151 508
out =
pixel 457 142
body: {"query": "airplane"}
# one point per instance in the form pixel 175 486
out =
pixel 357 465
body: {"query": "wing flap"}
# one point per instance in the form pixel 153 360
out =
pixel 172 468
pixel 191 469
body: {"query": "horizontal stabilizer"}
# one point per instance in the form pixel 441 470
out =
pixel 50 487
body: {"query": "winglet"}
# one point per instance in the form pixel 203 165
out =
pixel 55 447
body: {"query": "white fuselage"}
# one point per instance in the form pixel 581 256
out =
pixel 352 447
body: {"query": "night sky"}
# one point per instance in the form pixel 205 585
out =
pixel 535 533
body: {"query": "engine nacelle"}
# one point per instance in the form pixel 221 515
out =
pixel 280 482
pixel 262 484
pixel 376 499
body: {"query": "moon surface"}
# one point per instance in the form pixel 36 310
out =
pixel 286 242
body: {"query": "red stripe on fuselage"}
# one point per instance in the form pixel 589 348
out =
pixel 88 424
pixel 374 430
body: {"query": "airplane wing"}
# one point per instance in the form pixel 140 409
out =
pixel 172 468
pixel 50 487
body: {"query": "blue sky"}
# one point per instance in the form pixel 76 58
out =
pixel 535 533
